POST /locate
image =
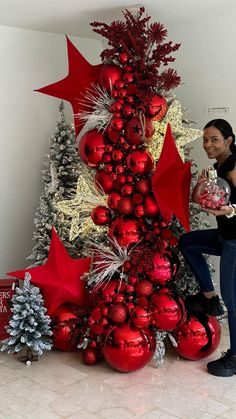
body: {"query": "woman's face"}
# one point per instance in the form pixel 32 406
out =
pixel 214 144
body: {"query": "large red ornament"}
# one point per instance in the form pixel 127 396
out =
pixel 165 267
pixel 128 348
pixel 172 174
pixel 109 74
pixel 62 330
pixel 104 181
pixel 167 310
pixel 101 215
pixel 197 338
pixel 137 133
pixel 92 147
pixel 81 75
pixel 125 231
pixel 59 278
pixel 157 108
pixel 140 162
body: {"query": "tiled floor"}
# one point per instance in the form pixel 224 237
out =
pixel 60 386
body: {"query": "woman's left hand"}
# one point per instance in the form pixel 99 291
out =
pixel 225 210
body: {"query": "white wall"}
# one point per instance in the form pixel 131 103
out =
pixel 29 60
pixel 206 62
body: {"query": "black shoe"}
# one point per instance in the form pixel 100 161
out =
pixel 224 366
pixel 200 303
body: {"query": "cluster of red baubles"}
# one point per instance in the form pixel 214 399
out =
pixel 128 310
pixel 120 156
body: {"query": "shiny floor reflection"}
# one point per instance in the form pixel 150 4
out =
pixel 60 386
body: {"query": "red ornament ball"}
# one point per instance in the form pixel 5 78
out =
pixel 197 339
pixel 109 75
pixel 125 206
pixel 157 108
pixel 123 57
pixel 140 317
pixel 92 147
pixel 117 124
pixel 144 287
pixel 101 215
pixel 167 311
pixel 62 330
pixel 103 181
pixel 90 356
pixel 125 231
pixel 140 162
pixel 112 135
pixel 165 268
pixel 143 186
pixel 118 313
pixel 113 200
pixel 136 133
pixel 127 348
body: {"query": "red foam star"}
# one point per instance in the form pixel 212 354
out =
pixel 81 74
pixel 59 279
pixel 171 182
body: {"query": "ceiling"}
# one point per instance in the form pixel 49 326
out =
pixel 72 17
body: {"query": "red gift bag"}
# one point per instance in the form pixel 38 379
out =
pixel 7 287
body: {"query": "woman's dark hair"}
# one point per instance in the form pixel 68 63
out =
pixel 226 130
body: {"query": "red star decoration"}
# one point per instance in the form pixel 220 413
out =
pixel 59 278
pixel 171 182
pixel 80 76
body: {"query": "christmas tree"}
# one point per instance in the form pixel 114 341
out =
pixel 30 325
pixel 62 169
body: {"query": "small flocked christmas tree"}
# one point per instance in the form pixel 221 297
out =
pixel 60 176
pixel 30 325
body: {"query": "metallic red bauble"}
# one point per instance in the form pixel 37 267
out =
pixel 101 215
pixel 127 348
pixel 120 84
pixel 118 313
pixel 129 99
pixel 127 190
pixel 128 111
pixel 134 131
pixel 122 93
pixel 128 77
pixel 139 211
pixel 125 206
pixel 140 316
pixel 123 57
pixel 92 147
pixel 115 107
pixel 106 157
pixel 113 200
pixel 144 287
pixel 137 198
pixel 117 154
pixel 109 290
pixel 143 186
pixel 167 310
pixel 128 68
pixel 90 356
pixel 117 124
pixel 120 169
pixel 62 332
pixel 103 181
pixel 157 108
pixel 165 267
pixel 119 182
pixel 112 134
pixel 140 162
pixel 109 75
pixel 108 168
pixel 125 231
pixel 197 339
pixel 151 208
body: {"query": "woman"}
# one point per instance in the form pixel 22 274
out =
pixel 219 144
